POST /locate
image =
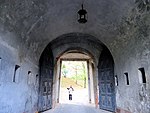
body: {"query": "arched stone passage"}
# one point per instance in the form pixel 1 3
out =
pixel 27 26
pixel 72 42
pixel 82 42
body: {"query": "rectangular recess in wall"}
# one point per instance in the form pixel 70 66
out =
pixel 36 80
pixel 116 80
pixel 16 73
pixel 0 63
pixel 142 75
pixel 127 78
pixel 29 77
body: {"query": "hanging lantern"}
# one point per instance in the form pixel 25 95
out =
pixel 82 15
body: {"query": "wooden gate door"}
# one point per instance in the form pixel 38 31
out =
pixel 46 81
pixel 106 82
pixel 47 93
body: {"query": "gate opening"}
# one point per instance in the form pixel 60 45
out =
pixel 74 82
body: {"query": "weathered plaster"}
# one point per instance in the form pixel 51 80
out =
pixel 131 50
pixel 28 26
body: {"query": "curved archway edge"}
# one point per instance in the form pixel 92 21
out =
pixel 83 43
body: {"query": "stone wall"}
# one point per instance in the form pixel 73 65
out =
pixel 27 26
pixel 131 51
pixel 18 78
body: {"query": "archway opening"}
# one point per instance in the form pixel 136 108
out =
pixel 74 74
pixel 75 47
pixel 76 71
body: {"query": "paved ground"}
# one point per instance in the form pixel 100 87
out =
pixel 78 96
pixel 79 104
pixel 72 108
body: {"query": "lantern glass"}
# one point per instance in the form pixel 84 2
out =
pixel 82 15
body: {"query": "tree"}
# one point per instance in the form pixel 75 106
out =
pixel 80 72
pixel 84 74
pixel 64 70
pixel 76 68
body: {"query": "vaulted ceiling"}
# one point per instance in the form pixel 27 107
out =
pixel 35 23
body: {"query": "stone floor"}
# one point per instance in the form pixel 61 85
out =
pixel 74 108
pixel 79 104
